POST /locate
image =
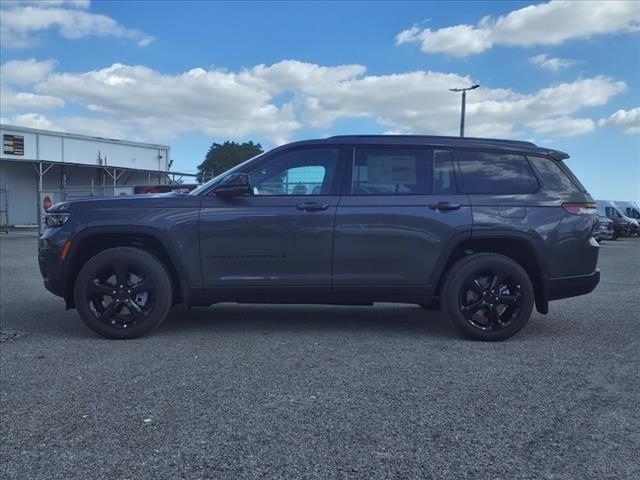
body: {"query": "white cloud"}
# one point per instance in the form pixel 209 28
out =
pixel 25 72
pixel 213 102
pixel 32 120
pixel 626 120
pixel 562 126
pixel 12 101
pixel 21 22
pixel 274 102
pixel 542 24
pixel 551 63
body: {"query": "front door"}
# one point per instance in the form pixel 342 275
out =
pixel 398 214
pixel 282 235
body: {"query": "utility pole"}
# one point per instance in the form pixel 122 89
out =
pixel 464 104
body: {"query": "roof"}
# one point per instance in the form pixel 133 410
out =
pixel 16 128
pixel 441 141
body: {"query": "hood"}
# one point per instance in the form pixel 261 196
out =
pixel 124 201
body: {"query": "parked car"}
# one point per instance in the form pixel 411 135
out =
pixel 632 211
pixel 485 228
pixel 622 225
pixel 604 230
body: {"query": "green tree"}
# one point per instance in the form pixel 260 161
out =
pixel 223 156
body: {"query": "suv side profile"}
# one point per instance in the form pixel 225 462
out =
pixel 484 229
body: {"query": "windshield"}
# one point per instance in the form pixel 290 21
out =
pixel 215 179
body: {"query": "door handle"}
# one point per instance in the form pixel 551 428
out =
pixel 312 207
pixel 444 206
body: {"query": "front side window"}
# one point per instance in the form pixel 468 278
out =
pixel 308 171
pixel 402 171
pixel 496 173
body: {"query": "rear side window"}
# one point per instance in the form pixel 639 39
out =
pixel 553 177
pixel 496 173
pixel 402 171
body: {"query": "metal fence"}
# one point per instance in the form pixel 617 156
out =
pixel 4 210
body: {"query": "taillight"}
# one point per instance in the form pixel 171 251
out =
pixel 580 208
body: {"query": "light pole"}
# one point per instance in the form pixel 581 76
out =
pixel 464 102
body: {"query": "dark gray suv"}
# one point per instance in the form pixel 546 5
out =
pixel 484 229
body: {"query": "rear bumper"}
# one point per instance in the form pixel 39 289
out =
pixel 565 287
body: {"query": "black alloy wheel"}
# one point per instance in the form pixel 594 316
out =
pixel 490 300
pixel 487 296
pixel 123 292
pixel 120 296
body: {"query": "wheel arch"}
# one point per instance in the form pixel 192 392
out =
pixel 518 246
pixel 93 240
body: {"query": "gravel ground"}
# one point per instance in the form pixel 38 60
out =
pixel 297 392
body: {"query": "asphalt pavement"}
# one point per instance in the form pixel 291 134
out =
pixel 315 392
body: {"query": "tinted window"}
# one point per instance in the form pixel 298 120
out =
pixel 308 171
pixel 496 173
pixel 552 175
pixel 444 180
pixel 612 212
pixel 402 171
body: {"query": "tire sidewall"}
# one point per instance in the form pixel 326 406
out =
pixel 474 263
pixel 144 262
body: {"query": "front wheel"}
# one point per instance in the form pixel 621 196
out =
pixel 488 296
pixel 123 292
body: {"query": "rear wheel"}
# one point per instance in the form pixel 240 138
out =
pixel 488 296
pixel 123 292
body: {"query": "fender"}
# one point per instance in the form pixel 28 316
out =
pixel 542 294
pixel 453 243
pixel 156 233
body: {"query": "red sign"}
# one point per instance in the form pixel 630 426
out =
pixel 46 203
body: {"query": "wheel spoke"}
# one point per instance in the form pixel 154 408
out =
pixel 136 311
pixel 511 300
pixel 97 288
pixel 469 310
pixel 143 285
pixel 494 317
pixel 111 311
pixel 476 288
pixel 496 280
pixel 120 270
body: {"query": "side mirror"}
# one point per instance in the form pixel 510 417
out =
pixel 234 185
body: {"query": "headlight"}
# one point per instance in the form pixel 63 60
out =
pixel 55 220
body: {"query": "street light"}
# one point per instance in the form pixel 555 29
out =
pixel 464 101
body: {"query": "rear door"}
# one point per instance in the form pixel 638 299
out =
pixel 399 210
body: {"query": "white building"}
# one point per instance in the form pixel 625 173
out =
pixel 39 167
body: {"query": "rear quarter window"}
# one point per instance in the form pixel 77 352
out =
pixel 496 173
pixel 553 177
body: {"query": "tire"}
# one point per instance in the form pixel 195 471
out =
pixel 139 306
pixel 468 296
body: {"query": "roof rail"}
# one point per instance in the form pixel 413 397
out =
pixel 444 137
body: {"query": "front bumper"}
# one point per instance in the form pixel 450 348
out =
pixel 51 266
pixel 565 287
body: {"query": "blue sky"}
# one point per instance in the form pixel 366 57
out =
pixel 565 75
